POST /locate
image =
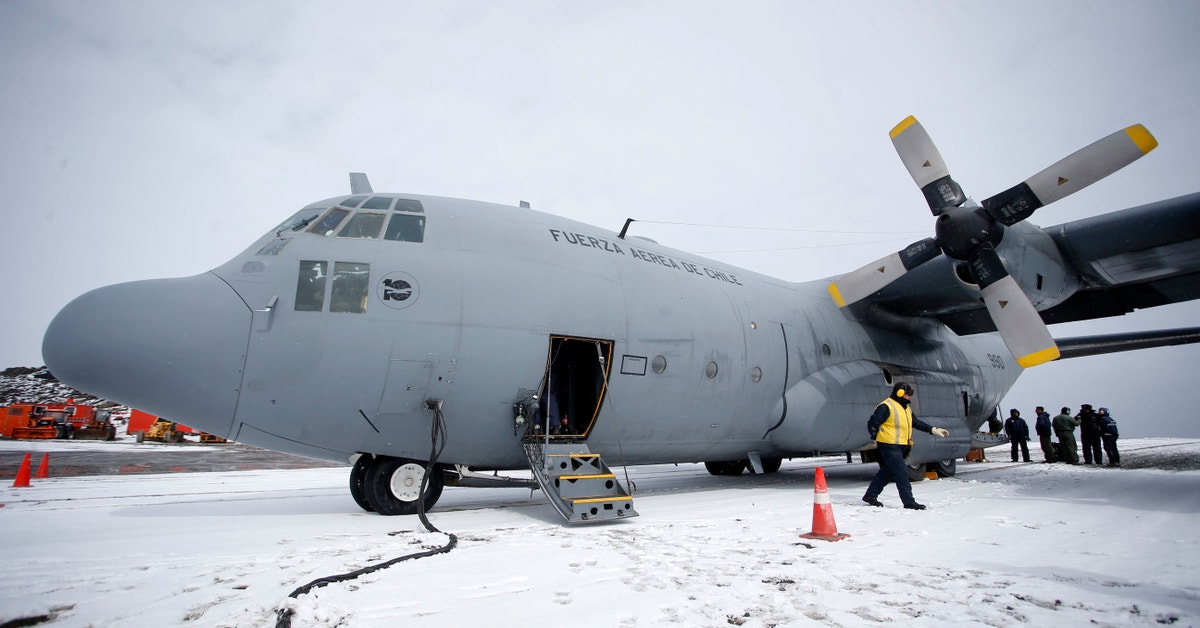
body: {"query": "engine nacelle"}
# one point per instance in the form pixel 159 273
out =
pixel 1036 264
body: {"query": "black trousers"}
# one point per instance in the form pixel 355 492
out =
pixel 1024 445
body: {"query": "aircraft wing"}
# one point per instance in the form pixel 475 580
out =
pixel 1135 258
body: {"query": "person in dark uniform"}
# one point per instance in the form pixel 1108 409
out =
pixel 1108 433
pixel 1017 431
pixel 891 426
pixel 1089 433
pixel 1044 431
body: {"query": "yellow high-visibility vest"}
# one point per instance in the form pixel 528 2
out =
pixel 897 429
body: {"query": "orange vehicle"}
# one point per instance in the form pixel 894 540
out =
pixel 30 421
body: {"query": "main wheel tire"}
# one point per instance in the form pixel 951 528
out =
pixel 726 467
pixel 771 465
pixel 393 486
pixel 358 481
pixel 946 468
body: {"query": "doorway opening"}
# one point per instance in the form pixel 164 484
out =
pixel 574 385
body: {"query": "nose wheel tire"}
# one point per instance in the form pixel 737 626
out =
pixel 393 486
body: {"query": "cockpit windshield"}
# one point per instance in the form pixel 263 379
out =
pixel 405 223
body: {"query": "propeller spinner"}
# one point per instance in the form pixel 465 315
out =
pixel 967 232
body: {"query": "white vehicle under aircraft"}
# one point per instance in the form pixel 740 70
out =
pixel 438 341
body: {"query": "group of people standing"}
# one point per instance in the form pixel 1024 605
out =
pixel 1097 429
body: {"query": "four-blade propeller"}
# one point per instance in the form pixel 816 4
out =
pixel 969 232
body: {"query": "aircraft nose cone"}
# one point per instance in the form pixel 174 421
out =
pixel 171 347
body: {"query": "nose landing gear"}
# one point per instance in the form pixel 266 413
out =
pixel 392 486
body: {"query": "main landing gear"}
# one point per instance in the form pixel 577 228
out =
pixel 391 486
pixel 736 467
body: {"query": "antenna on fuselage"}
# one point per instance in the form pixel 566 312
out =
pixel 628 221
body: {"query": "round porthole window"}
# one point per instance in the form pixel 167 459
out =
pixel 711 370
pixel 755 374
pixel 659 364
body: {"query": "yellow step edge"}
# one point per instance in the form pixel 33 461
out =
pixel 586 477
pixel 593 500
pixel 573 455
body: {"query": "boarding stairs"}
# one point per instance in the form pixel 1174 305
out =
pixel 577 482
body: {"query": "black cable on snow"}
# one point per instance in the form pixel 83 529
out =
pixel 438 438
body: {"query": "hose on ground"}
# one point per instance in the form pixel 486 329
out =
pixel 283 616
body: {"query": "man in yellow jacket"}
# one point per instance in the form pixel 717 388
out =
pixel 891 426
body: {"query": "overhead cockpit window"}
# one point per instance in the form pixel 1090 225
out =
pixel 406 228
pixel 408 205
pixel 353 201
pixel 363 225
pixel 310 286
pixel 377 202
pixel 326 225
pixel 350 283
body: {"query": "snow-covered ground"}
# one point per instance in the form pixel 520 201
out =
pixel 1001 544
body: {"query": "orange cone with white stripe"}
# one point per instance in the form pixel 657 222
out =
pixel 44 468
pixel 823 528
pixel 22 479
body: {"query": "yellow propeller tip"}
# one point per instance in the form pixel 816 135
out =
pixel 1142 138
pixel 1039 357
pixel 904 124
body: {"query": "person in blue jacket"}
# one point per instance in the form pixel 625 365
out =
pixel 1108 433
pixel 1017 431
pixel 891 425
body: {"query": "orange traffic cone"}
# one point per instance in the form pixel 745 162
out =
pixel 823 528
pixel 44 468
pixel 22 474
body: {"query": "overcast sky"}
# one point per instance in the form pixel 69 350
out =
pixel 159 139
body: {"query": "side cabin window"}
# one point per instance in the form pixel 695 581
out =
pixel 349 292
pixel 310 286
pixel 351 281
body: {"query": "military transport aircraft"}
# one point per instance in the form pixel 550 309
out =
pixel 438 341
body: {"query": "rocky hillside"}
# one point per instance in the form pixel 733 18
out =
pixel 23 384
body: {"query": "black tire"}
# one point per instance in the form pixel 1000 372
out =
pixel 726 467
pixel 358 481
pixel 945 468
pixel 771 465
pixel 393 485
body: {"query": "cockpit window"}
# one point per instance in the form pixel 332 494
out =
pixel 310 286
pixel 408 205
pixel 330 222
pixel 353 201
pixel 378 202
pixel 406 228
pixel 300 220
pixel 363 225
pixel 350 282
